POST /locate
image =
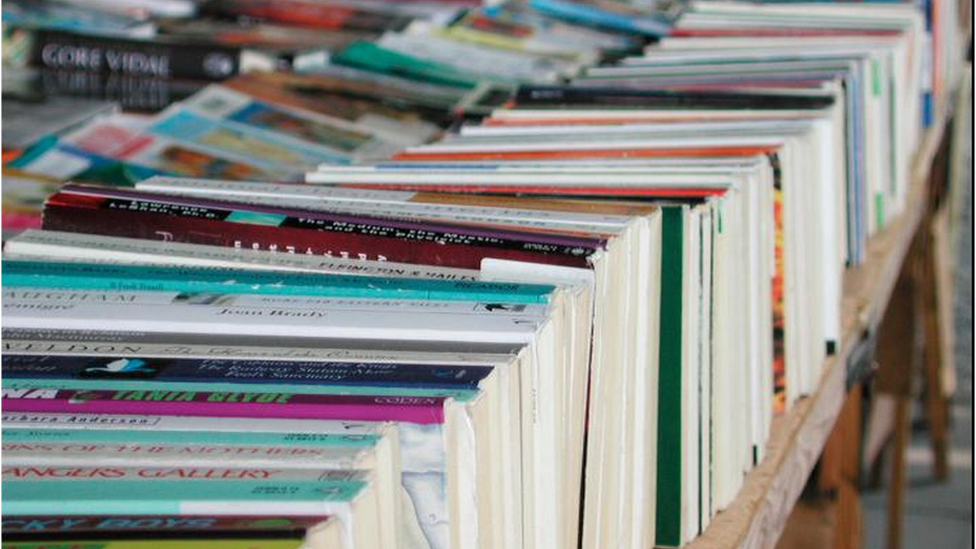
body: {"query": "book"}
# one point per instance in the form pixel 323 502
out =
pixel 65 246
pixel 126 139
pixel 348 142
pixel 529 383
pixel 300 13
pixel 604 241
pixel 185 542
pixel 429 479
pixel 23 199
pixel 86 19
pixel 305 231
pixel 284 405
pixel 96 276
pixel 243 371
pixel 59 49
pixel 430 207
pixel 159 526
pixel 407 119
pixel 348 499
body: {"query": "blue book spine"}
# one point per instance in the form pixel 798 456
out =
pixel 589 15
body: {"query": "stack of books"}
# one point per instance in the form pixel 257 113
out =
pixel 307 314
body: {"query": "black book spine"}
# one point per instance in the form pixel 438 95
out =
pixel 62 50
pixel 650 97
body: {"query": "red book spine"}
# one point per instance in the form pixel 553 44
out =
pixel 149 226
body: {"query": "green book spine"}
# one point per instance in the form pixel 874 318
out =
pixel 369 56
pixel 669 382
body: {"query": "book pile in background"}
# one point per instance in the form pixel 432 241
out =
pixel 431 274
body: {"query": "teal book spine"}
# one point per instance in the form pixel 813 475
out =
pixel 97 276
pixel 172 497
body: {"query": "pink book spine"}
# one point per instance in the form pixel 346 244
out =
pixel 422 410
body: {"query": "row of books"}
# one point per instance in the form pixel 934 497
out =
pixel 64 47
pixel 303 316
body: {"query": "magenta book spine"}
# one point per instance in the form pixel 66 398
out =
pixel 422 410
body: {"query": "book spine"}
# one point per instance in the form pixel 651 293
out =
pixel 127 542
pixel 165 497
pixel 323 346
pixel 240 371
pixel 67 473
pixel 460 394
pixel 309 241
pixel 164 436
pixel 592 15
pixel 569 97
pixel 68 343
pixel 153 524
pixel 422 231
pixel 194 279
pixel 292 304
pixel 422 410
pixel 421 206
pixel 162 454
pixel 669 466
pixel 55 49
pixel 61 245
pixel 183 423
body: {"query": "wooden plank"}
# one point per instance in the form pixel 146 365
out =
pixel 896 496
pixel 758 515
pixel 847 533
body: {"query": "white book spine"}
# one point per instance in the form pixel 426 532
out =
pixel 143 311
pixel 42 420
pixel 19 342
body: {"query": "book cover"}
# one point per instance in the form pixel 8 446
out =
pixel 272 151
pixel 332 136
